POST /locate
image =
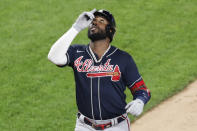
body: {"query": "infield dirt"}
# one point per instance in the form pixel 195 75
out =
pixel 178 113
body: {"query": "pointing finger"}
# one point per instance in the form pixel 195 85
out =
pixel 92 11
pixel 89 15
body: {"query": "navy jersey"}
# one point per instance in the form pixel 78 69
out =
pixel 100 83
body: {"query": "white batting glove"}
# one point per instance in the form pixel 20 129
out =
pixel 84 20
pixel 135 107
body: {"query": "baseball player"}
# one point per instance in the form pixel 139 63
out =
pixel 102 73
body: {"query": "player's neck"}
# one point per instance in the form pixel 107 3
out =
pixel 99 47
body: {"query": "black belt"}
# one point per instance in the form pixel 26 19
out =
pixel 100 126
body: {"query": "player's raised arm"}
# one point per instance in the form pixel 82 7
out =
pixel 57 53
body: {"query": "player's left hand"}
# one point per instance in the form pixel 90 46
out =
pixel 135 107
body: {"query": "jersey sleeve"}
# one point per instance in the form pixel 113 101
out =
pixel 135 82
pixel 131 72
pixel 70 54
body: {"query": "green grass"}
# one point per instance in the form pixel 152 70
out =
pixel 35 95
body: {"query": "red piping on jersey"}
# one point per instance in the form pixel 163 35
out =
pixel 140 85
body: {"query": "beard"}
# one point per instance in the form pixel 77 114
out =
pixel 100 35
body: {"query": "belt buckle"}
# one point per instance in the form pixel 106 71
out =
pixel 96 127
pixel 107 126
pixel 101 126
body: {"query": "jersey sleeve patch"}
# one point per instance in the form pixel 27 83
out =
pixel 139 90
pixel 140 85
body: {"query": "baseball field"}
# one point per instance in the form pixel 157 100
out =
pixel 35 95
pixel 178 113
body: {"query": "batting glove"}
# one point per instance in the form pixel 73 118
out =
pixel 135 107
pixel 84 20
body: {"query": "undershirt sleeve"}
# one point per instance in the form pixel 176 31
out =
pixel 70 54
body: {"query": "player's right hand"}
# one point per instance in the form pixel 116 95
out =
pixel 135 107
pixel 84 20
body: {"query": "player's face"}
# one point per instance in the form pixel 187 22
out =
pixel 98 23
pixel 97 29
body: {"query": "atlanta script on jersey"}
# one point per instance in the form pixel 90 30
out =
pixel 100 83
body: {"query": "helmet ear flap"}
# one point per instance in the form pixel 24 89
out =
pixel 110 31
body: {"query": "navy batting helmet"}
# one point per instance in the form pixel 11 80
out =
pixel 111 27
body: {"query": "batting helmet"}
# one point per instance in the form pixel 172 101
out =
pixel 111 27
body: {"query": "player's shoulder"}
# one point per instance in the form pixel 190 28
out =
pixel 122 53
